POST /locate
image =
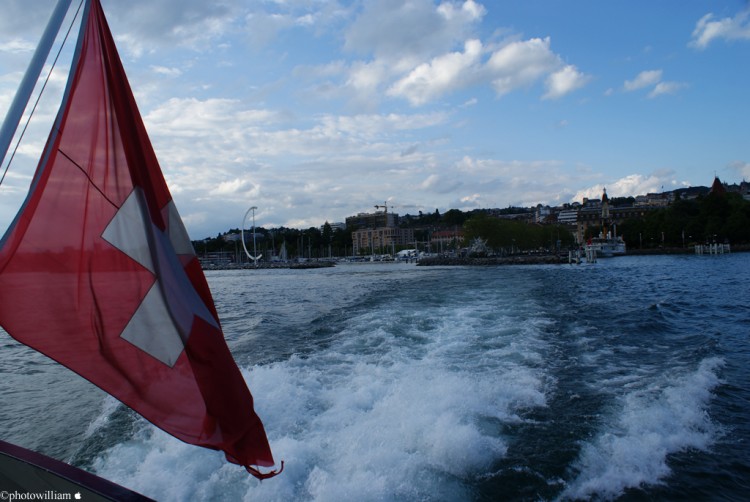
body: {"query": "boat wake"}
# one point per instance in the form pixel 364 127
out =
pixel 649 426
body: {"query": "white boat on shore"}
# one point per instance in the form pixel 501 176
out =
pixel 605 247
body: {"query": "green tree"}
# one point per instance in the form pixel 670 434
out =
pixel 453 217
pixel 506 236
pixel 720 217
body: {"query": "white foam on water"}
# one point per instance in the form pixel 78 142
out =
pixel 373 417
pixel 651 424
pixel 109 406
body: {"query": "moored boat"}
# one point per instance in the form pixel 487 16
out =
pixel 605 247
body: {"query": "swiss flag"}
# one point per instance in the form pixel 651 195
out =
pixel 98 273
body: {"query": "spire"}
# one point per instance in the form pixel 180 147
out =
pixel 717 187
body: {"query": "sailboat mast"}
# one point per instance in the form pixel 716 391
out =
pixel 26 87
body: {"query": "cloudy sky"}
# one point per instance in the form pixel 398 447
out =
pixel 314 110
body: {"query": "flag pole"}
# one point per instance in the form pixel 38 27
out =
pixel 26 87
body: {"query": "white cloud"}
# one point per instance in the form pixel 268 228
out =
pixel 413 43
pixel 17 45
pixel 366 78
pixel 469 11
pixel 521 63
pixel 234 187
pixel 564 81
pixel 472 200
pixel 193 117
pixel 396 29
pixel 514 65
pixel 666 88
pixel 442 75
pixel 140 27
pixel 410 43
pixel 332 69
pixel 644 79
pixel 375 126
pixel 169 72
pixel 652 78
pixel 21 17
pixel 306 20
pixel 633 184
pixel 707 29
pixel 220 154
pixel 262 28
pixel 499 183
pixel 741 168
pixel 430 181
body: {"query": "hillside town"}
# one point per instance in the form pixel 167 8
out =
pixel 674 219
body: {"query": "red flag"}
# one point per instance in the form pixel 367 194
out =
pixel 98 273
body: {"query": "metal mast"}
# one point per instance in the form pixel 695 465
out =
pixel 26 87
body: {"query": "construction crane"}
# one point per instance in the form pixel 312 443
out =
pixel 384 206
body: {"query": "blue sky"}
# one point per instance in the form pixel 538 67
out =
pixel 316 110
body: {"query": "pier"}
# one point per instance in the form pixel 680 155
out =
pixel 701 249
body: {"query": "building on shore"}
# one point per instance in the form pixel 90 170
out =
pixel 381 239
pixel 377 219
pixel 337 225
pixel 442 241
pixel 568 216
pixel 602 216
pixel 378 232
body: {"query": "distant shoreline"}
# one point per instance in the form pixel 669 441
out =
pixel 493 260
pixel 551 259
pixel 739 248
pixel 293 265
pixel 519 259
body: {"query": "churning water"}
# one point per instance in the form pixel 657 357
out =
pixel 625 379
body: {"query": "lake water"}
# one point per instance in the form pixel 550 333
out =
pixel 627 379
